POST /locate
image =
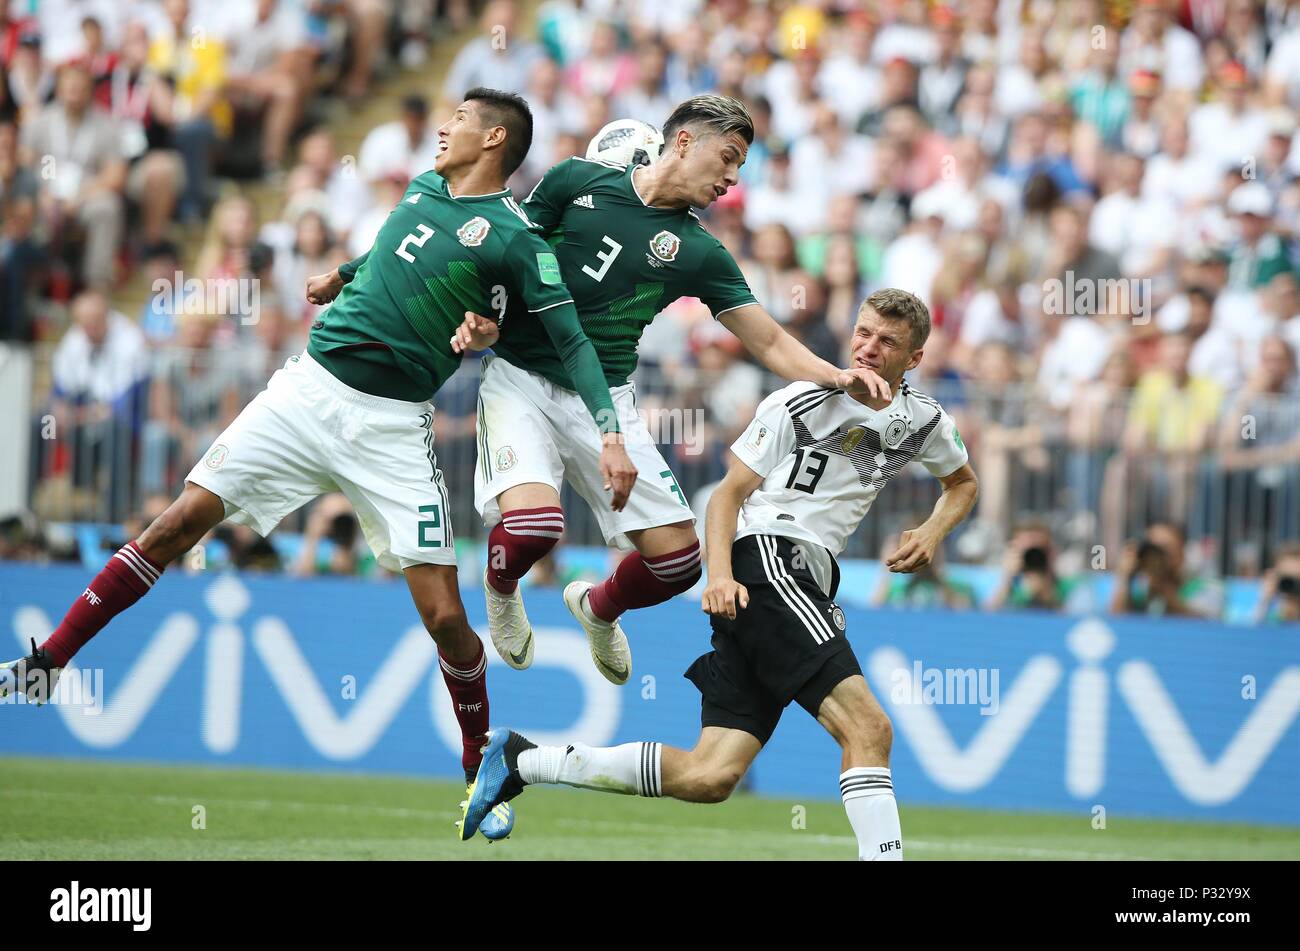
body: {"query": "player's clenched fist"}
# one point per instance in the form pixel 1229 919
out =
pixel 723 596
pixel 323 288
pixel 475 333
pixel 617 470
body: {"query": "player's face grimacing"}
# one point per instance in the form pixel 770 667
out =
pixel 711 166
pixel 884 345
pixel 460 139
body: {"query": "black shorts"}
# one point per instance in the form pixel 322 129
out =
pixel 788 644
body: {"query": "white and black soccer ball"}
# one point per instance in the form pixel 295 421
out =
pixel 626 142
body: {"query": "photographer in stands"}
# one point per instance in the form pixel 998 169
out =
pixel 1279 594
pixel 1153 578
pixel 1029 578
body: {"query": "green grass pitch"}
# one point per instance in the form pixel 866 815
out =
pixel 101 810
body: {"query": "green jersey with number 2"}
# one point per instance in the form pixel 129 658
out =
pixel 436 257
pixel 623 261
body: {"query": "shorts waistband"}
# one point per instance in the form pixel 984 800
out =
pixel 344 392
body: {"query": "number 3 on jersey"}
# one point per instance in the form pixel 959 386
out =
pixel 605 257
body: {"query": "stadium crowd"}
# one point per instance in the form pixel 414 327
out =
pixel 1098 202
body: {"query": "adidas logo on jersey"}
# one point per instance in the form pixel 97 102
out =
pixel 585 201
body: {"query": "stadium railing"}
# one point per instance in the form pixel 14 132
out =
pixel 102 466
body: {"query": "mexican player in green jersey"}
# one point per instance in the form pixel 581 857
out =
pixel 628 244
pixel 353 413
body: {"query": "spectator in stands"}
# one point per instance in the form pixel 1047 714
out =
pixel 137 98
pixel 82 173
pixel 193 396
pixel 345 189
pixel 21 249
pixel 1171 422
pixel 99 370
pixel 330 543
pixel 1279 594
pixel 406 146
pixel 605 70
pixel 166 302
pixel 263 77
pixel 1152 578
pixel 1259 446
pixel 1258 254
pixel 1029 578
pixel 198 115
pixel 500 58
pixel 647 98
pixel 1005 435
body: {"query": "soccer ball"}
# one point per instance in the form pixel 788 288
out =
pixel 626 142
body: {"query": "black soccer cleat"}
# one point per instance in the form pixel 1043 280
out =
pixel 35 675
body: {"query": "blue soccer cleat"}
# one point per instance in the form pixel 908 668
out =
pixel 499 823
pixel 497 782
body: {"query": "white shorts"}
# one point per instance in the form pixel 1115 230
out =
pixel 307 434
pixel 530 430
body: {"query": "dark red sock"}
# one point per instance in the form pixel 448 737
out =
pixel 127 577
pixel 519 541
pixel 467 685
pixel 640 582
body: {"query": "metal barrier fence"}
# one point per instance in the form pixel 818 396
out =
pixel 1232 480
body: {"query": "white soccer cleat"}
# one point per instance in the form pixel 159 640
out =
pixel 609 648
pixel 512 635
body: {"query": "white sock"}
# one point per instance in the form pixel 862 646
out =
pixel 631 769
pixel 868 794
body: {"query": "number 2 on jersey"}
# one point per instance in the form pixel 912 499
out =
pixel 815 469
pixel 425 234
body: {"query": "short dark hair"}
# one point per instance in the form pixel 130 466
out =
pixel 512 113
pixel 896 304
pixel 717 115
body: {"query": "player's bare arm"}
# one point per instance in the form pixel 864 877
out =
pixel 917 546
pixel 723 593
pixel 785 356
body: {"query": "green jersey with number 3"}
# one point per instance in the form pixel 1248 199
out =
pixel 436 257
pixel 623 260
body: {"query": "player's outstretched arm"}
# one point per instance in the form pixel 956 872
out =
pixel 323 288
pixel 917 547
pixel 785 356
pixel 723 594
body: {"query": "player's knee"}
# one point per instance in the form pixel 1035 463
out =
pixel 871 733
pixel 717 785
pixel 446 623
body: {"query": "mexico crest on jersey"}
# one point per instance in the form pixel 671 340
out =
pixel 665 245
pixel 472 232
pixel 852 438
pixel 895 433
pixel 506 459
